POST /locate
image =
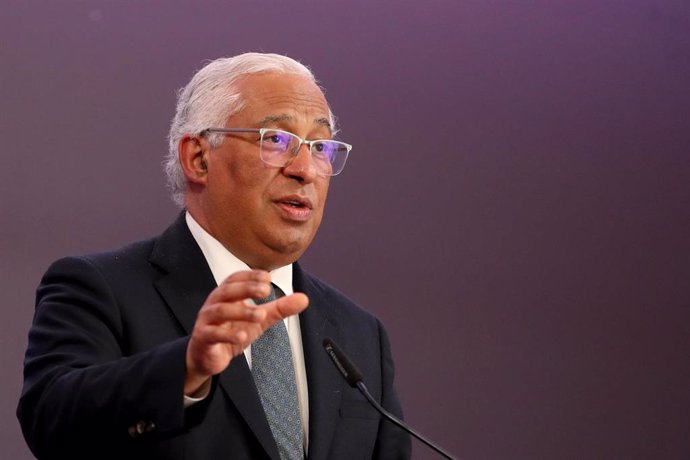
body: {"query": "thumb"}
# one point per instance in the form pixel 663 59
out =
pixel 285 306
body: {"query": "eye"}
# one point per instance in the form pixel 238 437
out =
pixel 324 150
pixel 277 139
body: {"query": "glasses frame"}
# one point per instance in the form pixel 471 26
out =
pixel 302 142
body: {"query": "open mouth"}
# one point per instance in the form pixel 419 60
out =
pixel 295 207
pixel 296 202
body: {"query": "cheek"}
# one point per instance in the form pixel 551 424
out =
pixel 323 194
pixel 322 190
pixel 247 182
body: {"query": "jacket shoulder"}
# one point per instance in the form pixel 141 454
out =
pixel 128 258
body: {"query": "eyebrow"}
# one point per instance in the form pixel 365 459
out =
pixel 323 122
pixel 275 119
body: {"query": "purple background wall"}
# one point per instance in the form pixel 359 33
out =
pixel 516 208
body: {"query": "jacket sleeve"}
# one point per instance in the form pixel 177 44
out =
pixel 82 388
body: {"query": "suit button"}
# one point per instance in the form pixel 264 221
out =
pixel 140 428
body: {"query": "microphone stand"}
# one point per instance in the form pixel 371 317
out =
pixel 355 379
pixel 363 389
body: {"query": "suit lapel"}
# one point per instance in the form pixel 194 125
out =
pixel 238 384
pixel 184 287
pixel 325 385
pixel 187 280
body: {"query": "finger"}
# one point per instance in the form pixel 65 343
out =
pixel 240 334
pixel 248 275
pixel 283 307
pixel 224 312
pixel 240 289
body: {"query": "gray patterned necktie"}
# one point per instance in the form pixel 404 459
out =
pixel 274 375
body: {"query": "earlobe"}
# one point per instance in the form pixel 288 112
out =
pixel 193 159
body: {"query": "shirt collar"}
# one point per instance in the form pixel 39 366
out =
pixel 223 263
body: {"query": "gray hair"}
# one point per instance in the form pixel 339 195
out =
pixel 211 97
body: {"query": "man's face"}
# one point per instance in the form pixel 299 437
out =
pixel 267 215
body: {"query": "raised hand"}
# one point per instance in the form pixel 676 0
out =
pixel 227 324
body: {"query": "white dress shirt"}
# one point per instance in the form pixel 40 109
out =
pixel 223 264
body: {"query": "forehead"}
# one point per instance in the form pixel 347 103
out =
pixel 282 98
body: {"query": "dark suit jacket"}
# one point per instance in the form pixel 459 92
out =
pixel 104 369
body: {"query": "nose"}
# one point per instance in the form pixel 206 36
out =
pixel 301 167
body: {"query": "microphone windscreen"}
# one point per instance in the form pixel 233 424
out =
pixel 342 362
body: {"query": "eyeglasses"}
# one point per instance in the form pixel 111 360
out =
pixel 279 148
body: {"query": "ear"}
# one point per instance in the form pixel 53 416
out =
pixel 192 154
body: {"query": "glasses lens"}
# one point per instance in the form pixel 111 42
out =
pixel 329 156
pixel 278 148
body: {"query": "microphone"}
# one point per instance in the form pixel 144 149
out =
pixel 354 378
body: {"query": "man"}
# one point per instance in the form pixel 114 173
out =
pixel 158 351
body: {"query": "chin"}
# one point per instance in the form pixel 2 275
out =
pixel 291 248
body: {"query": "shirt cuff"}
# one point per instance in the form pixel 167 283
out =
pixel 199 395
